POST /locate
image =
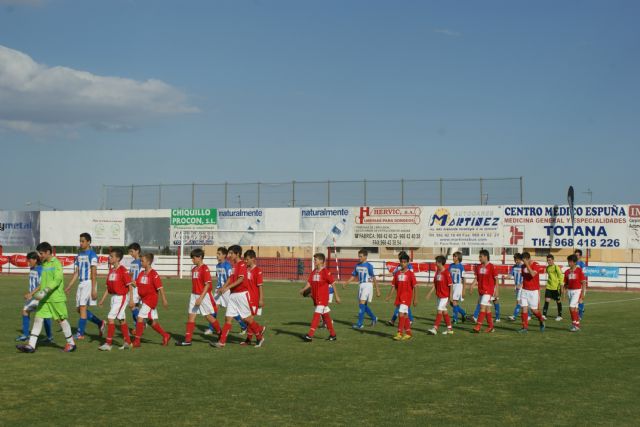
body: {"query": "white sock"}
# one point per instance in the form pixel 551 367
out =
pixel 66 330
pixel 35 331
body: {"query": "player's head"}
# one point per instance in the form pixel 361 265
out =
pixel 363 254
pixel 550 259
pixel 404 260
pixel 197 256
pixel 134 250
pixel 517 257
pixel 572 260
pixel 235 252
pixel 115 256
pixel 146 260
pixel 85 241
pixel 319 259
pixel 457 257
pixel 578 253
pixel 484 256
pixel 250 257
pixel 45 251
pixel 441 260
pixel 221 254
pixel 33 259
pixel 403 253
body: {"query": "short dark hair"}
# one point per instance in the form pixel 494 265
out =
pixel 550 256
pixel 363 252
pixel 236 249
pixel 402 253
pixel 572 258
pixel 44 247
pixel 526 255
pixel 320 256
pixel 250 254
pixel 578 251
pixel 223 250
pixel 517 256
pixel 33 255
pixel 134 246
pixel 197 253
pixel 149 257
pixel 458 254
pixel 118 252
pixel 403 256
pixel 86 237
pixel 485 253
pixel 441 259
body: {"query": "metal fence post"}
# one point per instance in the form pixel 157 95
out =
pixel 193 195
pixel 441 194
pixel 521 191
pixel 626 277
pixel 365 192
pixel 258 194
pixel 226 193
pixel 328 192
pixel 481 192
pixel 131 201
pixel 159 196
pixel 402 192
pixel 293 194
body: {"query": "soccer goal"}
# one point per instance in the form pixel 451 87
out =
pixel 284 254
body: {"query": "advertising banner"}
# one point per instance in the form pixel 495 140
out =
pixel 602 272
pixel 463 226
pixel 330 224
pixel 268 227
pixel 19 228
pixel 193 219
pixel 634 227
pixel 63 228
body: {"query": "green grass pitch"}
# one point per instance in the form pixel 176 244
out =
pixel 558 378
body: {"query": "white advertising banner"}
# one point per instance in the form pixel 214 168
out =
pixel 63 228
pixel 19 228
pixel 463 226
pixel 268 227
pixel 634 227
pixel 602 226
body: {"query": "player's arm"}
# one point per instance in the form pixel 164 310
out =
pixel 228 286
pixel 335 292
pixel 351 279
pixel 106 292
pixel 307 286
pixel 393 288
pixel 130 286
pixel 29 295
pixel 496 292
pixel 415 293
pixel 377 285
pixel 94 282
pixel 73 280
pixel 165 303
pixel 433 287
pixel 261 300
pixel 205 290
pixel 531 271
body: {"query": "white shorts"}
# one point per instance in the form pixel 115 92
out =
pixel 118 305
pixel 330 298
pixel 442 304
pixel 31 305
pixel 574 297
pixel 485 300
pixel 223 299
pixel 529 299
pixel 239 305
pixel 322 309
pixel 403 308
pixel 365 293
pixel 518 292
pixel 147 312
pixel 83 294
pixel 136 297
pixel 207 307
pixel 256 311
pixel 457 292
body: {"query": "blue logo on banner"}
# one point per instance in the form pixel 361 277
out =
pixel 604 272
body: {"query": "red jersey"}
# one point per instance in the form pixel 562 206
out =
pixel 320 281
pixel 239 269
pixel 118 281
pixel 200 276
pixel 254 282
pixel 573 279
pixel 443 283
pixel 148 285
pixel 486 276
pixel 404 282
pixel 529 282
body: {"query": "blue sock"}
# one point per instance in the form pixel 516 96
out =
pixel 134 313
pixel 363 309
pixel 477 312
pixel 82 324
pixel 395 314
pixel 241 322
pixel 94 319
pixel 47 328
pixel 455 313
pixel 516 311
pixel 497 306
pixel 369 312
pixel 462 312
pixel 410 315
pixel 25 325
pixel 580 309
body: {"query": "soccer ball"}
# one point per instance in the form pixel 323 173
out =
pixel 39 295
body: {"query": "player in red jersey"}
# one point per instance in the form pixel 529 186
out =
pixel 254 282
pixel 239 303
pixel 575 285
pixel 319 282
pixel 442 285
pixel 404 283
pixel 201 301
pixel 530 294
pixel 118 286
pixel 486 279
pixel 149 285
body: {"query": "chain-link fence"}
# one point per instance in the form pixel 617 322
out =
pixel 409 192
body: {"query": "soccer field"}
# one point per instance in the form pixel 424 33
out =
pixel 560 378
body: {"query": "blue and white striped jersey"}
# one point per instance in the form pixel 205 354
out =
pixel 364 272
pixel 457 273
pixel 83 263
pixel 223 271
pixel 135 268
pixel 34 277
pixel 516 272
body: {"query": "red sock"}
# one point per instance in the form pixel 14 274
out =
pixel 225 332
pixel 490 319
pixel 407 326
pixel 190 327
pixel 216 325
pixel 256 328
pixel 447 320
pixel 329 323
pixel 314 324
pixel 436 324
pixel 481 317
pixel 139 331
pixel 400 324
pixel 111 329
pixel 575 317
pixel 538 315
pixel 525 318
pixel 124 328
pixel 156 327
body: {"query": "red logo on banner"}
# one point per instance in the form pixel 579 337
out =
pixel 4 260
pixel 67 260
pixel 364 212
pixel 19 260
pixel 103 259
pixel 516 235
pixel 634 211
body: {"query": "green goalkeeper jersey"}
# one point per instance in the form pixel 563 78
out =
pixel 555 277
pixel 53 279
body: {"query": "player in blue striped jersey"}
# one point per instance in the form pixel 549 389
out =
pixel 366 277
pixel 223 271
pixel 582 265
pixel 516 274
pixel 456 270
pixel 397 310
pixel 86 272
pixel 134 271
pixel 31 304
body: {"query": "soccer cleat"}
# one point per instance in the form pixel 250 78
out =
pixel 183 343
pixel 447 332
pixel 541 326
pixel 25 348
pixel 407 337
pixel 135 344
pixel 544 317
pixel 574 328
pixel 497 320
pixel 307 338
pixel 69 348
pixel 264 328
pixel 78 336
pixel 512 318
pixel 398 336
pixel 243 331
pixel 22 338
pixel 105 347
pixel 246 342
pixel 101 329
pixel 559 318
pixel 475 320
pixel 463 318
pixel 126 346
pixel 390 323
pixel 374 322
pixel 489 330
pixel 432 331
pixel 357 327
pixel 165 340
pixel 475 331
pixel 259 343
pixel 208 332
pixel 217 344
pixel 48 340
pixel 454 321
pixel 332 338
pixel 523 330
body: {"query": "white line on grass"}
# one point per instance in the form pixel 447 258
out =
pixel 611 302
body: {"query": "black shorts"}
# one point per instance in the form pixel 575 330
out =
pixel 554 295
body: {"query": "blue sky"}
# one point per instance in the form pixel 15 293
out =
pixel 149 92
